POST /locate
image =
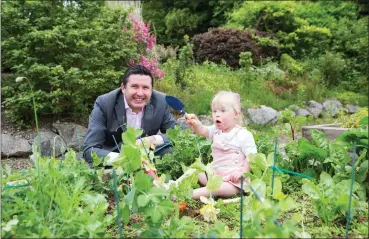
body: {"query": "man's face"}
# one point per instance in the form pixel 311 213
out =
pixel 138 91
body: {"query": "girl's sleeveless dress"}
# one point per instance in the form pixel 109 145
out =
pixel 228 158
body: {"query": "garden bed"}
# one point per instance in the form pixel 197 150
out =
pixel 331 131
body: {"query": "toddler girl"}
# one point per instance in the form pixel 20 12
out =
pixel 231 144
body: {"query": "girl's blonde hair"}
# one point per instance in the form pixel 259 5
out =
pixel 228 99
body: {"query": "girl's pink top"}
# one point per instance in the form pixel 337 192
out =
pixel 230 150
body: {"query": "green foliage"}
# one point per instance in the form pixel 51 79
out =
pixel 331 198
pixel 292 123
pixel 184 152
pixel 68 51
pixel 163 54
pixel 332 65
pixel 184 18
pixel 180 22
pixel 60 195
pixel 290 65
pixel 353 120
pixel 185 61
pixel 308 28
pixel 352 98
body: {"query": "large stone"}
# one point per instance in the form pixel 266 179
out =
pixel 50 143
pixel 262 115
pixel 314 108
pixel 352 109
pixel 71 133
pixel 182 123
pixel 205 120
pixel 330 107
pixel 302 112
pixel 14 147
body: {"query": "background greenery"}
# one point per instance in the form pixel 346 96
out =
pixel 73 51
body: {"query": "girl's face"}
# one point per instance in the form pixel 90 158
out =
pixel 224 118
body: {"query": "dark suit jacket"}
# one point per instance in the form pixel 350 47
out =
pixel 108 119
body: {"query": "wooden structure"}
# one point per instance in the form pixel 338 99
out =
pixel 331 131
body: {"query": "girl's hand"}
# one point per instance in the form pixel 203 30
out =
pixel 191 119
pixel 235 177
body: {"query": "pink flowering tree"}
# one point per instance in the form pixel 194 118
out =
pixel 145 42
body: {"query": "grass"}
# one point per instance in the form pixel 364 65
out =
pixel 205 80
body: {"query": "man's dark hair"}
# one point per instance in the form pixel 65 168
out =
pixel 137 70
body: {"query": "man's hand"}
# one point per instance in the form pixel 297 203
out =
pixel 148 141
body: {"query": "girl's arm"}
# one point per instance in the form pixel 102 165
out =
pixel 196 125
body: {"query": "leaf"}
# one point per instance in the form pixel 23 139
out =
pixel 143 200
pixel 261 162
pixel 157 192
pixel 198 165
pixel 157 210
pixel 277 190
pixel 214 182
pixel 93 226
pixel 116 162
pixel 131 159
pixel 363 172
pixel 319 139
pixel 130 135
pixel 96 159
pixel 364 121
pixel 326 182
pixel 128 199
pixel 143 181
pixel 287 204
pixel 297 217
pixel 310 189
pixel 92 200
pixel 166 207
pixel 260 188
pixel 125 213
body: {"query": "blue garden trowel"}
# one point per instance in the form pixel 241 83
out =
pixel 176 104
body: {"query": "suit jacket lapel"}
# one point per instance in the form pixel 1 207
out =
pixel 120 111
pixel 147 117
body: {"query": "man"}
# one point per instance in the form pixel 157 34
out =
pixel 134 104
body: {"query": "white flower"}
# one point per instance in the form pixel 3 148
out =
pixel 209 211
pixel 19 79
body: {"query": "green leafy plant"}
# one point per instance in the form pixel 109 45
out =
pixel 59 47
pixel 58 196
pixel 330 198
pixel 185 151
pixel 294 123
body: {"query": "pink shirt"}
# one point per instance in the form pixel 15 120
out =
pixel 135 120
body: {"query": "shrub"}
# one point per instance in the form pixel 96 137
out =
pixel 289 64
pixel 70 51
pixel 227 44
pixel 352 98
pixel 163 54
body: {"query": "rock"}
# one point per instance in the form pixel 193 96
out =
pixel 262 115
pixel 206 120
pixel 314 108
pixel 330 107
pixel 47 143
pixel 71 133
pixel 294 108
pixel 302 112
pixel 352 109
pixel 182 123
pixel 14 147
